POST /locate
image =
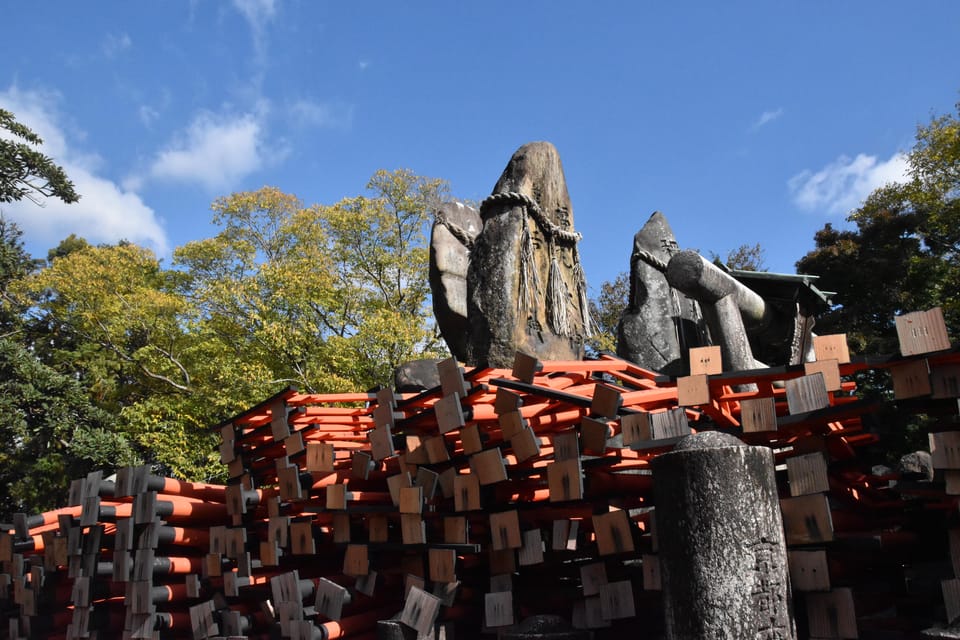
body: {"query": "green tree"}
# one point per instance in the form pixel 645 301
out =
pixel 110 317
pixel 605 310
pixel 24 171
pixel 329 297
pixel 52 434
pixel 746 257
pixel 15 264
pixel 902 254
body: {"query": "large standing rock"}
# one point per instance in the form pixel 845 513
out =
pixel 659 324
pixel 455 229
pixel 723 558
pixel 525 286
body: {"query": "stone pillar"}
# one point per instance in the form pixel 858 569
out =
pixel 723 557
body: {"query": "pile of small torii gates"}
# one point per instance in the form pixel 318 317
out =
pixel 500 494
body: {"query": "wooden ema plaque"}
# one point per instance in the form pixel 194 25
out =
pixel 320 457
pixel 808 570
pixel 397 482
pixel 592 577
pixel 616 600
pixel 807 474
pixel 427 480
pixel 566 446
pixel 525 367
pixel 488 466
pixel 651 572
pixel 498 609
pixel 470 438
pixel 531 550
pixel 705 361
pixel 945 381
pixel 832 347
pixel 807 519
pixel 911 380
pixel 922 332
pixel 511 424
pixel 807 393
pixel 945 449
pixel 693 390
pixel 455 530
pixel 758 415
pixel 413 530
pixel 449 413
pixel 505 530
pixel 442 564
pixel 420 610
pixel 506 401
pixel 356 561
pixel 831 615
pixel 466 492
pixel 565 480
pixel 830 369
pixel 278 420
pixel 593 436
pixel 451 378
pixel 565 534
pixel 525 444
pixel 613 533
pixel 606 401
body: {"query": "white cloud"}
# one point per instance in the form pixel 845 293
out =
pixel 106 212
pixel 364 65
pixel 148 115
pixel 215 152
pixel 332 115
pixel 114 44
pixel 844 184
pixel 257 13
pixel 766 118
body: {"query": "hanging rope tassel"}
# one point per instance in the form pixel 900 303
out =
pixel 559 296
pixel 529 297
pixel 581 280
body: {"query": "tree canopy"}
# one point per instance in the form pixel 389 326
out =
pixel 902 254
pixel 24 171
pixel 322 297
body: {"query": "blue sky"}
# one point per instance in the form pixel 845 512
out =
pixel 743 122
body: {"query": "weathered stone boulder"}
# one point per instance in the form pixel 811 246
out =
pixel 659 324
pixel 414 376
pixel 455 228
pixel 723 558
pixel 525 286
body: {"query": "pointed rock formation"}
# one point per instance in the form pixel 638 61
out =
pixel 525 287
pixel 455 229
pixel 659 324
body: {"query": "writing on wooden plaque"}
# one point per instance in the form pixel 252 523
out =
pixel 807 519
pixel 922 332
pixel 808 570
pixel 449 413
pixel 807 474
pixel 758 415
pixel 565 480
pixel 832 347
pixel 830 369
pixel 693 390
pixel 613 532
pixel 466 492
pixel 911 380
pixel 498 609
pixel 505 530
pixel 420 610
pixel 705 360
pixel 832 615
pixel 616 600
pixel 806 393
